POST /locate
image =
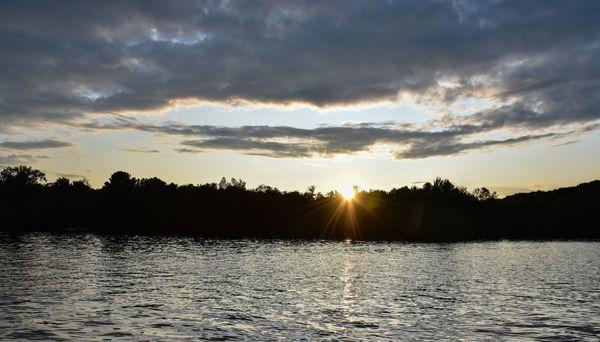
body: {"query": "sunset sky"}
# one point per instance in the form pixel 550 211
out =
pixel 379 94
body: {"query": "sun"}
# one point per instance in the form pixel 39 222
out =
pixel 348 193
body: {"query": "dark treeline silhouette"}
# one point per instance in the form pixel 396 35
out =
pixel 437 211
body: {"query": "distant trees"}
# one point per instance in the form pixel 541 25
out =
pixel 21 176
pixel 119 181
pixel 152 184
pixel 266 189
pixel 437 211
pixel 483 194
pixel 64 183
pixel 233 184
pixel 61 183
pixel 122 181
pixel 311 193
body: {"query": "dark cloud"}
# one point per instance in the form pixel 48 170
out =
pixel 60 60
pixel 34 144
pixel 255 147
pixel 410 141
pixel 424 149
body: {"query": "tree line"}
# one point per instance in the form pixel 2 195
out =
pixel 437 211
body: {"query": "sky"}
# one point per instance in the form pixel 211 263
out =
pixel 379 94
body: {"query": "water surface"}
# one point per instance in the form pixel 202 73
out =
pixel 94 287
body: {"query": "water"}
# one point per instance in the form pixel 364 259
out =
pixel 92 287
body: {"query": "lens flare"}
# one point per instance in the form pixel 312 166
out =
pixel 348 193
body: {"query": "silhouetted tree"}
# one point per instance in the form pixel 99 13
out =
pixel 61 183
pixel 310 192
pixel 223 183
pixel 81 184
pixel 237 184
pixel 483 194
pixel 21 176
pixel 437 211
pixel 153 184
pixel 120 180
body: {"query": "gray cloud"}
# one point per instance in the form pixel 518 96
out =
pixel 63 60
pixel 67 175
pixel 570 142
pixel 34 144
pixel 255 147
pixel 19 159
pixel 424 149
pixel 410 141
pixel 141 150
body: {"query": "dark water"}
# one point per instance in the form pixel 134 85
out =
pixel 92 287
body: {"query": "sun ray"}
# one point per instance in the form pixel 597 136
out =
pixel 348 192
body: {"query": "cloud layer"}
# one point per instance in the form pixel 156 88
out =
pixel 537 62
pixel 34 144
pixel 407 141
pixel 61 60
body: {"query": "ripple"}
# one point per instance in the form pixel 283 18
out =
pixel 87 287
pixel 117 334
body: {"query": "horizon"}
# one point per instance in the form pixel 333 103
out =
pixel 294 95
pixel 347 192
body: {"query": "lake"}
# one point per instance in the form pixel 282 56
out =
pixel 92 287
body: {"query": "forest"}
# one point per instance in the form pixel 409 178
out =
pixel 437 211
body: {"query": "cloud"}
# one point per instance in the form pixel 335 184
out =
pixel 19 159
pixel 410 141
pixel 141 150
pixel 566 143
pixel 67 175
pixel 424 149
pixel 255 147
pixel 188 150
pixel 35 144
pixel 539 61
